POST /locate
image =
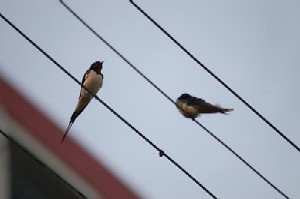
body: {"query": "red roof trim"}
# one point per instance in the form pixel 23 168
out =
pixel 50 135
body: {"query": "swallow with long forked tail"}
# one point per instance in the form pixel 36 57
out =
pixel 192 107
pixel 92 80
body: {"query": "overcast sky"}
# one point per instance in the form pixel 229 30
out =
pixel 253 46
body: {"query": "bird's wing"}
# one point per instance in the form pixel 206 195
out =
pixel 205 107
pixel 202 105
pixel 85 76
pixel 194 101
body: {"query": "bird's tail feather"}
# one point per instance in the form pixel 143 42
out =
pixel 67 131
pixel 225 110
pixel 74 116
pixel 72 120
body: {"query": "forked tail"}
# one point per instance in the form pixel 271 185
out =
pixel 225 110
pixel 67 131
pixel 72 120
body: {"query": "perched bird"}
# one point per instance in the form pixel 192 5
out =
pixel 92 80
pixel 192 107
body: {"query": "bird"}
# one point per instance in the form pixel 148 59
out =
pixel 192 107
pixel 93 81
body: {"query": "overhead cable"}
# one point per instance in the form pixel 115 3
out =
pixel 216 77
pixel 161 152
pixel 163 93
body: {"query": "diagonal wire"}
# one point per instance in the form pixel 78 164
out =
pixel 161 152
pixel 163 93
pixel 216 77
pixel 113 49
pixel 242 159
pixel 13 141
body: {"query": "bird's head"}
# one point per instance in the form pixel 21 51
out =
pixel 184 96
pixel 97 66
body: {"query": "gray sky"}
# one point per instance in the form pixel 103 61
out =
pixel 252 45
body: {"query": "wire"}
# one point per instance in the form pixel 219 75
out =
pixel 161 152
pixel 243 160
pixel 216 77
pixel 154 85
pixel 16 143
pixel 113 49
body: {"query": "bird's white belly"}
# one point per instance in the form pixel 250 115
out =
pixel 93 83
pixel 187 111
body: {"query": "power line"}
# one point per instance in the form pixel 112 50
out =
pixel 17 144
pixel 161 152
pixel 113 49
pixel 243 160
pixel 216 77
pixel 155 86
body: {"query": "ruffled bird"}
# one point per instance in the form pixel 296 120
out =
pixel 192 107
pixel 92 80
